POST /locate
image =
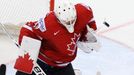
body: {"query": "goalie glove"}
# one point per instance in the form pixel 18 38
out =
pixel 91 44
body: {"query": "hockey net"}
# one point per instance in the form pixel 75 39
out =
pixel 15 13
pixel 12 29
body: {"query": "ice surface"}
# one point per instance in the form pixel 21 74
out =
pixel 111 59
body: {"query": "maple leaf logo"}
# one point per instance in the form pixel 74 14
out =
pixel 72 45
pixel 24 64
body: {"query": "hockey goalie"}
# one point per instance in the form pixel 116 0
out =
pixel 61 32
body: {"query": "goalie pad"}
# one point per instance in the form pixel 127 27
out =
pixel 91 44
pixel 28 55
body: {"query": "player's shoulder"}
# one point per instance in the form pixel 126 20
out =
pixel 50 16
pixel 82 6
pixel 29 25
pixel 41 23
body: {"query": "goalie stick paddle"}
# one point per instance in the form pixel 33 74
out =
pixel 2 69
pixel 37 69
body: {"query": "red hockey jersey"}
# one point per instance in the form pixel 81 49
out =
pixel 59 47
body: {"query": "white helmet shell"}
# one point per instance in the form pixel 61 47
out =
pixel 66 13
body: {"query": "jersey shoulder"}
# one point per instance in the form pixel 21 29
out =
pixel 81 6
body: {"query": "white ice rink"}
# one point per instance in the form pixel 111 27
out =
pixel 112 59
pixel 116 56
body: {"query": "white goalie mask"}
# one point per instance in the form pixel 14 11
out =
pixel 66 13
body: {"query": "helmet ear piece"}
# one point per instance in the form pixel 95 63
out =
pixel 66 13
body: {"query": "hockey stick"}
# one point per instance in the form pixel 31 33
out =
pixel 37 69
